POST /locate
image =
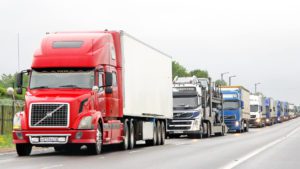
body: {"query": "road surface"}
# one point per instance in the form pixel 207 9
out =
pixel 274 147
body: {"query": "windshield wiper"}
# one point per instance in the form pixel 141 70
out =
pixel 71 86
pixel 40 87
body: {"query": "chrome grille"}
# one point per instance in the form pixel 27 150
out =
pixel 49 115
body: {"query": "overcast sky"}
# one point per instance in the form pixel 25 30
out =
pixel 257 40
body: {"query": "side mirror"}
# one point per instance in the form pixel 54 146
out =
pixel 19 80
pixel 219 107
pixel 242 105
pixel 108 79
pixel 108 90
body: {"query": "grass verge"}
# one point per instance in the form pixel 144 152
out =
pixel 6 141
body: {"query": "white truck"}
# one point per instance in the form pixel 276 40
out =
pixel 257 110
pixel 292 111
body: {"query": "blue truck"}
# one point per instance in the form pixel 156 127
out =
pixel 278 110
pixel 236 108
pixel 271 115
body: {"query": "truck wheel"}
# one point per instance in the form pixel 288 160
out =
pixel 163 133
pixel 158 133
pixel 154 140
pixel 208 130
pixel 205 129
pixel 131 138
pixel 124 144
pixel 96 148
pixel 247 127
pixel 23 149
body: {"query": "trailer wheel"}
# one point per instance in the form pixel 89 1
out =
pixel 124 144
pixel 23 149
pixel 131 138
pixel 163 133
pixel 154 140
pixel 96 148
pixel 158 133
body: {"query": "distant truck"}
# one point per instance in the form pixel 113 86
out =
pixel 94 88
pixel 278 111
pixel 285 111
pixel 257 110
pixel 197 109
pixel 291 110
pixel 270 111
pixel 236 108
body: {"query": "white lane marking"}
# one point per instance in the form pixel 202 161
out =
pixel 53 166
pixel 257 151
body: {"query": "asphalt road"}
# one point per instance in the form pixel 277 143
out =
pixel 274 147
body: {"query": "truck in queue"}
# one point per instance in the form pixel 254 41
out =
pixel 236 108
pixel 278 110
pixel 197 109
pixel 270 111
pixel 285 111
pixel 291 110
pixel 257 110
pixel 94 89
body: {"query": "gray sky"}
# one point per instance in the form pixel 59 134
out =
pixel 257 40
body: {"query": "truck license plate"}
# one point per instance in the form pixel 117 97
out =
pixel 48 139
pixel 178 132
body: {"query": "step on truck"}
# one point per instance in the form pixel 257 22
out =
pixel 197 109
pixel 271 117
pixel 257 110
pixel 94 89
pixel 236 108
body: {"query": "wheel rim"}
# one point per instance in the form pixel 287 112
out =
pixel 125 141
pixel 131 136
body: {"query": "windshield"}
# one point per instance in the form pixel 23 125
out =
pixel 185 102
pixel 62 79
pixel 230 105
pixel 253 108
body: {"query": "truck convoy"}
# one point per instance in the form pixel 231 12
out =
pixel 197 108
pixel 257 110
pixel 270 111
pixel 236 108
pixel 94 89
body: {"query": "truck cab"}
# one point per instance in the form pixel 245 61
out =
pixel 278 111
pixel 192 115
pixel 257 111
pixel 236 108
pixel 270 111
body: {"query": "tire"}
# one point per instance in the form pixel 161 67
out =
pixel 96 148
pixel 131 135
pixel 208 130
pixel 124 144
pixel 154 140
pixel 23 149
pixel 163 133
pixel 247 127
pixel 158 133
pixel 205 130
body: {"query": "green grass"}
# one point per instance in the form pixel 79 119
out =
pixel 6 141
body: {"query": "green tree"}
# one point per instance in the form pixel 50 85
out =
pixel 220 83
pixel 178 70
pixel 199 73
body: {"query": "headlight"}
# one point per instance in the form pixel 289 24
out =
pixel 268 120
pixel 17 121
pixel 196 114
pixel 86 123
pixel 257 120
pixel 237 123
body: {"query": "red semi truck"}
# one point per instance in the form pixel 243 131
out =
pixel 94 89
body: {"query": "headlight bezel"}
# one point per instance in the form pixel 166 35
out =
pixel 17 121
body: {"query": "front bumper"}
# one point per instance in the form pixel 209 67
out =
pixel 73 136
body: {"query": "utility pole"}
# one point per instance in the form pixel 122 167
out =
pixel 255 86
pixel 230 79
pixel 18 52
